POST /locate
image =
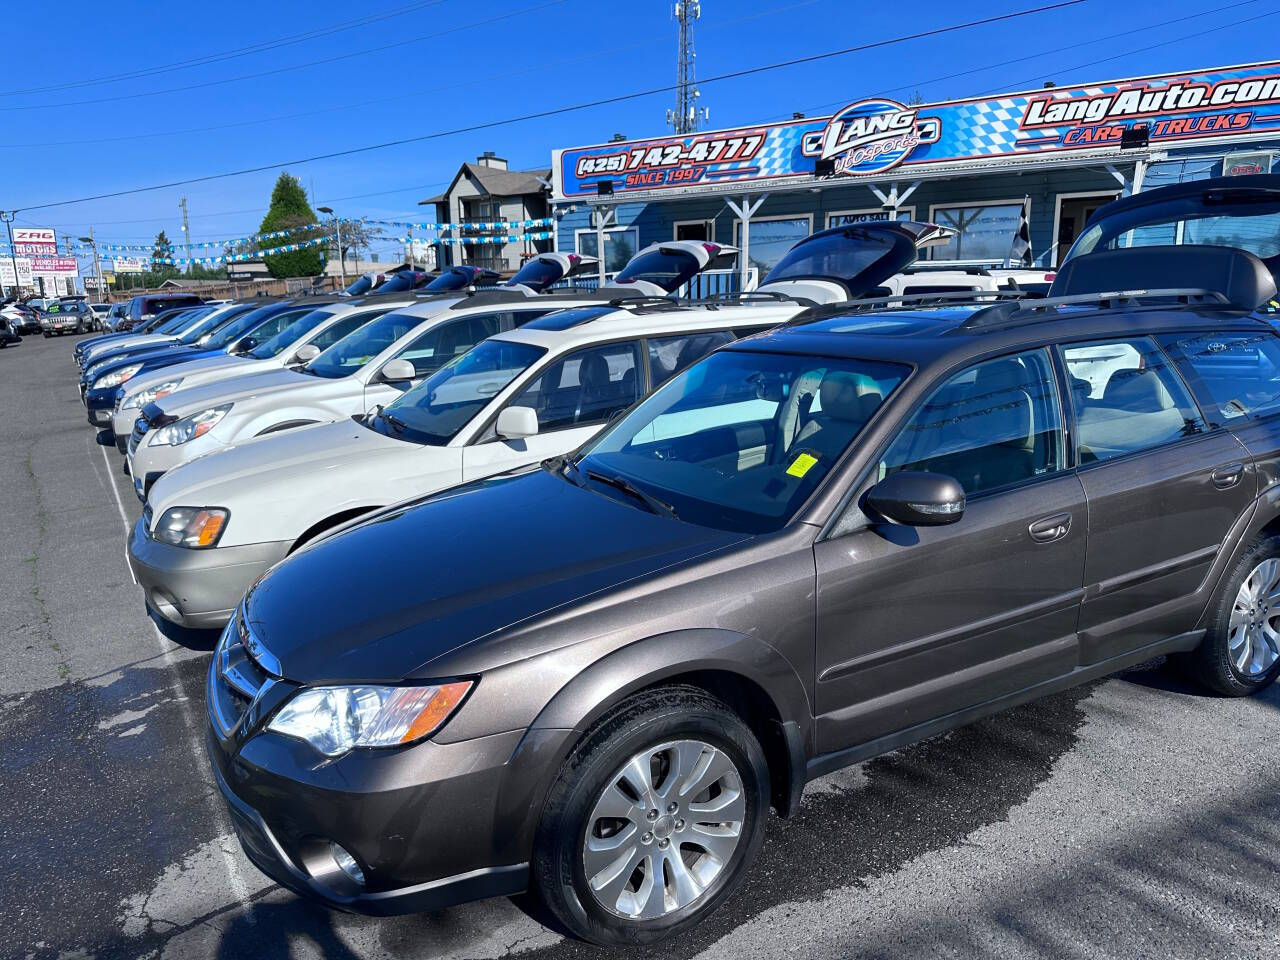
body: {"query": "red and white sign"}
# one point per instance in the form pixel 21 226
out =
pixel 35 242
pixel 59 266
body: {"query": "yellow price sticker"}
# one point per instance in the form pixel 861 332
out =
pixel 801 465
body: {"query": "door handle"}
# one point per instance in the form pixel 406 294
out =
pixel 1050 528
pixel 1224 478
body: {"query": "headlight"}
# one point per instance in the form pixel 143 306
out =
pixel 337 719
pixel 188 428
pixel 143 397
pixel 116 377
pixel 195 527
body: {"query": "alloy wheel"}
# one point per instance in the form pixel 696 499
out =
pixel 1253 640
pixel 663 829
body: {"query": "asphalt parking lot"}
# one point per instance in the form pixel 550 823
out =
pixel 1131 818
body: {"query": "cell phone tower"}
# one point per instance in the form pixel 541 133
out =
pixel 687 116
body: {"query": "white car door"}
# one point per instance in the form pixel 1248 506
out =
pixel 574 397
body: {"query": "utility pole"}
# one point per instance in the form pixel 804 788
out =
pixel 186 229
pixel 687 115
pixel 97 267
pixel 7 216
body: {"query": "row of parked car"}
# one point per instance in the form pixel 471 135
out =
pixel 527 587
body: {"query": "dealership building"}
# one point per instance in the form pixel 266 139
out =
pixel 979 165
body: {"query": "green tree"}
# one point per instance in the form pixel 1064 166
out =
pixel 289 208
pixel 159 272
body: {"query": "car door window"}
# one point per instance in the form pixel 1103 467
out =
pixel 585 387
pixel 669 355
pixel 331 335
pixel 433 349
pixel 1233 375
pixel 1126 398
pixel 994 424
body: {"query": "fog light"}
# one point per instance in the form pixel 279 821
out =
pixel 347 863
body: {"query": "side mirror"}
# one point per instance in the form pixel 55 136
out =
pixel 245 345
pixel 395 371
pixel 917 499
pixel 516 422
pixel 306 353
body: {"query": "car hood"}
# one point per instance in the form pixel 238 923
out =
pixel 191 368
pixel 151 359
pixel 134 352
pixel 126 340
pixel 201 397
pixel 243 468
pixel 383 599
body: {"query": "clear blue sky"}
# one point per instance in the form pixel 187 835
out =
pixel 450 68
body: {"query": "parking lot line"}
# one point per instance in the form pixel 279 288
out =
pixel 195 741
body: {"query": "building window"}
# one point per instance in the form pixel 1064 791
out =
pixel 772 238
pixel 844 218
pixel 985 231
pixel 620 245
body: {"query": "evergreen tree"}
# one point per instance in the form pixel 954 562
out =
pixel 289 208
pixel 160 272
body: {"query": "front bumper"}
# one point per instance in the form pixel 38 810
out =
pixel 100 406
pixel 419 820
pixel 197 588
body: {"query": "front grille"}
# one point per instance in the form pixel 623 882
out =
pixel 236 679
pixel 140 427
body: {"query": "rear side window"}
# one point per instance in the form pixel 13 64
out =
pixel 1233 375
pixel 994 424
pixel 1127 398
pixel 669 355
pixel 584 387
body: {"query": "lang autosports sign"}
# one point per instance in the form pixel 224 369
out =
pixel 877 136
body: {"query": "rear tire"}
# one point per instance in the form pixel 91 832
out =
pixel 664 804
pixel 1240 653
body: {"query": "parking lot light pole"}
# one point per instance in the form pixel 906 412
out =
pixel 7 216
pixel 342 266
pixel 97 266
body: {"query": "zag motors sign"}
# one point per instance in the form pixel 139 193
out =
pixel 873 136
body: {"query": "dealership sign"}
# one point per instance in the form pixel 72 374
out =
pixel 35 242
pixel 129 265
pixel 872 137
pixel 24 272
pixel 54 266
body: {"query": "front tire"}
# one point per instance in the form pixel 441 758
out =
pixel 1240 653
pixel 653 820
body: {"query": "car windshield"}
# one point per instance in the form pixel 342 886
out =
pixel 669 269
pixel 435 410
pixel 1244 219
pixel 227 334
pixel 397 282
pixel 850 253
pixel 172 323
pixel 356 349
pixel 739 440
pixel 537 273
pixel 207 324
pixel 290 334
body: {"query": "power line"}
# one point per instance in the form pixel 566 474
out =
pixel 289 69
pixel 557 111
pixel 260 47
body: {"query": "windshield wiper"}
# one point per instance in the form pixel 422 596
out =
pixel 398 425
pixel 626 486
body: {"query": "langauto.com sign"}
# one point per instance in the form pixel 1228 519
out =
pixel 35 242
pixel 875 135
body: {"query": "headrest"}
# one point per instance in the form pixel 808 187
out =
pixel 1139 391
pixel 594 371
pixel 1237 274
pixel 1000 410
pixel 845 396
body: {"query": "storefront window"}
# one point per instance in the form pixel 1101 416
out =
pixel 771 239
pixel 619 247
pixel 983 232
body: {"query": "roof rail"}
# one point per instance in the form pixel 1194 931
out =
pixel 905 301
pixel 648 301
pixel 1032 310
pixel 728 297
